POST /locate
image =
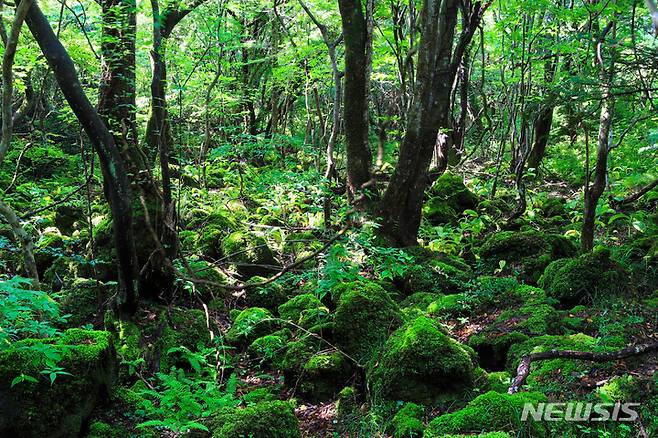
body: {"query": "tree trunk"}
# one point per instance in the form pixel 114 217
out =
pixel 355 35
pixel 438 60
pixel 117 184
pixel 594 191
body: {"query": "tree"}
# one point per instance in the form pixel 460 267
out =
pixel 429 117
pixel 357 37
pixel 116 182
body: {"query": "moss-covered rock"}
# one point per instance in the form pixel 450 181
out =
pixel 178 328
pixel 435 277
pixel 85 301
pixel 324 375
pixel 532 317
pixel 293 309
pixel 269 419
pixel 365 316
pixel 269 297
pixel 490 412
pixel 448 198
pixel 419 300
pixel 557 377
pixel 408 422
pixel 270 349
pixel 580 280
pixel 249 325
pixel 525 252
pixel 448 306
pixel 39 409
pixel 250 253
pixel 420 362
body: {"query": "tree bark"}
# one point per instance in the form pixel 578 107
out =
pixel 594 191
pixel 116 181
pixel 438 59
pixel 355 35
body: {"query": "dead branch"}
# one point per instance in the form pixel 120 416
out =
pixel 523 369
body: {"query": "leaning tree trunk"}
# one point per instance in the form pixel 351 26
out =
pixel 438 60
pixel 355 35
pixel 116 181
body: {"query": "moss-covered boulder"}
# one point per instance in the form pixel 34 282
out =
pixel 249 325
pixel 434 272
pixel 447 199
pixel 421 362
pixel 533 316
pixel 298 353
pixel 179 328
pixel 270 349
pixel 41 408
pixel 490 412
pixel 580 280
pixel 365 316
pixel 293 309
pixel 324 375
pixel 408 422
pixel 269 419
pixel 451 306
pixel 250 253
pixel 269 297
pixel 526 253
pixel 207 231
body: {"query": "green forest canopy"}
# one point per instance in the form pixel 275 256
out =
pixel 297 218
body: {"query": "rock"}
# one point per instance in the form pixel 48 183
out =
pixel 250 253
pixel 365 316
pixel 490 412
pixel 249 325
pixel 448 198
pixel 269 419
pixel 525 252
pixel 420 362
pixel 41 409
pixel 580 280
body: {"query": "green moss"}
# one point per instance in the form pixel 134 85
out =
pixel 270 419
pixel 180 328
pixel 408 422
pixel 250 253
pixel 268 349
pixel 269 297
pixel 435 277
pixel 420 362
pixel 490 412
pixel 498 381
pixel 365 316
pixel 100 429
pixel 346 404
pixel 438 212
pixel 324 375
pixel 297 354
pixel 38 409
pixel 526 253
pixel 580 280
pixel 292 310
pixel 448 198
pixel 419 300
pixel 250 324
pixel 450 306
pixel 83 301
pixel 556 376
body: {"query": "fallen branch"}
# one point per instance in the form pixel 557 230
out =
pixel 637 195
pixel 523 369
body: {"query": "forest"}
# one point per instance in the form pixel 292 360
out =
pixel 307 218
